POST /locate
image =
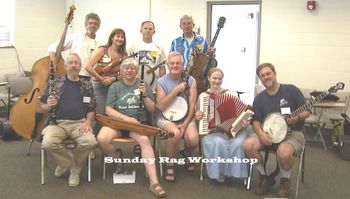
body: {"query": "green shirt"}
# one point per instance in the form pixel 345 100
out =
pixel 126 99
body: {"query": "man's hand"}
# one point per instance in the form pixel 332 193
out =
pixel 292 120
pixel 85 127
pixel 265 139
pixel 51 101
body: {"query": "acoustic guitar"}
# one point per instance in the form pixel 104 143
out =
pixel 204 62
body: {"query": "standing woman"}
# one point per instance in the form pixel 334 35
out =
pixel 218 144
pixel 123 103
pixel 114 49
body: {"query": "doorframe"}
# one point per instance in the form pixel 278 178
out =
pixel 209 28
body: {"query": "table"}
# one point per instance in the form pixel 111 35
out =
pixel 323 106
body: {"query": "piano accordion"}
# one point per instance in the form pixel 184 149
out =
pixel 224 111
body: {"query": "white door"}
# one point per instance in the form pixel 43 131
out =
pixel 237 45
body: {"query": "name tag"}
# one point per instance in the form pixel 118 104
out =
pixel 285 110
pixel 86 99
pixel 137 92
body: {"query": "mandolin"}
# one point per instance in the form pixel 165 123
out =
pixel 111 68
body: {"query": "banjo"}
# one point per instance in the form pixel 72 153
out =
pixel 275 124
pixel 178 108
pixel 149 75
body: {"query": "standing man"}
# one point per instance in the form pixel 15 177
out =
pixel 155 53
pixel 189 40
pixel 82 44
pixel 74 106
pixel 282 98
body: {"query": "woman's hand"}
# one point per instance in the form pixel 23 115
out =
pixel 199 115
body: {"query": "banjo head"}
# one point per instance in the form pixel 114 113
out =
pixel 177 110
pixel 275 126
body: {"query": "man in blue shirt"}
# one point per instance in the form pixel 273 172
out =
pixel 189 40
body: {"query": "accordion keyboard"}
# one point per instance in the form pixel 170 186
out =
pixel 204 123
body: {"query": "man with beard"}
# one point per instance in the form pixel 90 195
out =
pixel 74 105
pixel 282 98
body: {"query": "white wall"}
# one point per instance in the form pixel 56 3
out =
pixel 37 23
pixel 309 49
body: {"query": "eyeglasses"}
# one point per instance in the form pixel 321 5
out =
pixel 71 63
pixel 175 63
pixel 130 68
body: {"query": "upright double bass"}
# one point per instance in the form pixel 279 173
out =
pixel 24 117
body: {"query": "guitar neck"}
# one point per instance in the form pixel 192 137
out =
pixel 215 37
pixel 155 67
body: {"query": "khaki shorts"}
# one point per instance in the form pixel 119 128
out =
pixel 296 139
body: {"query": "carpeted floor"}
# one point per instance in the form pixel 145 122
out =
pixel 327 176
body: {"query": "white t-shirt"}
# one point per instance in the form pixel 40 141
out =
pixel 78 43
pixel 153 55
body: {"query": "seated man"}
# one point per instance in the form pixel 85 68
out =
pixel 168 88
pixel 282 98
pixel 74 108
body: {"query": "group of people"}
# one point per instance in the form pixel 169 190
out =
pixel 83 92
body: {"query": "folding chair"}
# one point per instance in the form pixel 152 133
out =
pixel 69 145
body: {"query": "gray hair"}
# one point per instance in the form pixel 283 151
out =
pixel 186 17
pixel 174 54
pixel 92 15
pixel 129 62
pixel 72 54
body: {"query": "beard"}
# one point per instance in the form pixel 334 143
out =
pixel 268 83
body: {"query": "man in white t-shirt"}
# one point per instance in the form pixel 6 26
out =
pixel 80 43
pixel 150 53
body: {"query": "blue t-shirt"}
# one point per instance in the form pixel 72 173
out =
pixel 287 96
pixel 70 105
pixel 168 84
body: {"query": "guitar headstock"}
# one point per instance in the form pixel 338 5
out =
pixel 335 88
pixel 70 14
pixel 221 22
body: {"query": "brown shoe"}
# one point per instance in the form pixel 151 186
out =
pixel 264 184
pixel 284 188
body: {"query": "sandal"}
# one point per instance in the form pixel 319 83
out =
pixel 189 166
pixel 157 190
pixel 119 166
pixel 169 176
pixel 137 150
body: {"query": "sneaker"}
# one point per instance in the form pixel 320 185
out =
pixel 221 178
pixel 264 184
pixel 284 188
pixel 74 178
pixel 60 171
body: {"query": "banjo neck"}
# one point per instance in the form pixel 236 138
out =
pixel 308 105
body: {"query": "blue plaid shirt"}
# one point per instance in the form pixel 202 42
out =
pixel 182 46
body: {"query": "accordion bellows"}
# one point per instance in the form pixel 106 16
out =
pixel 221 110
